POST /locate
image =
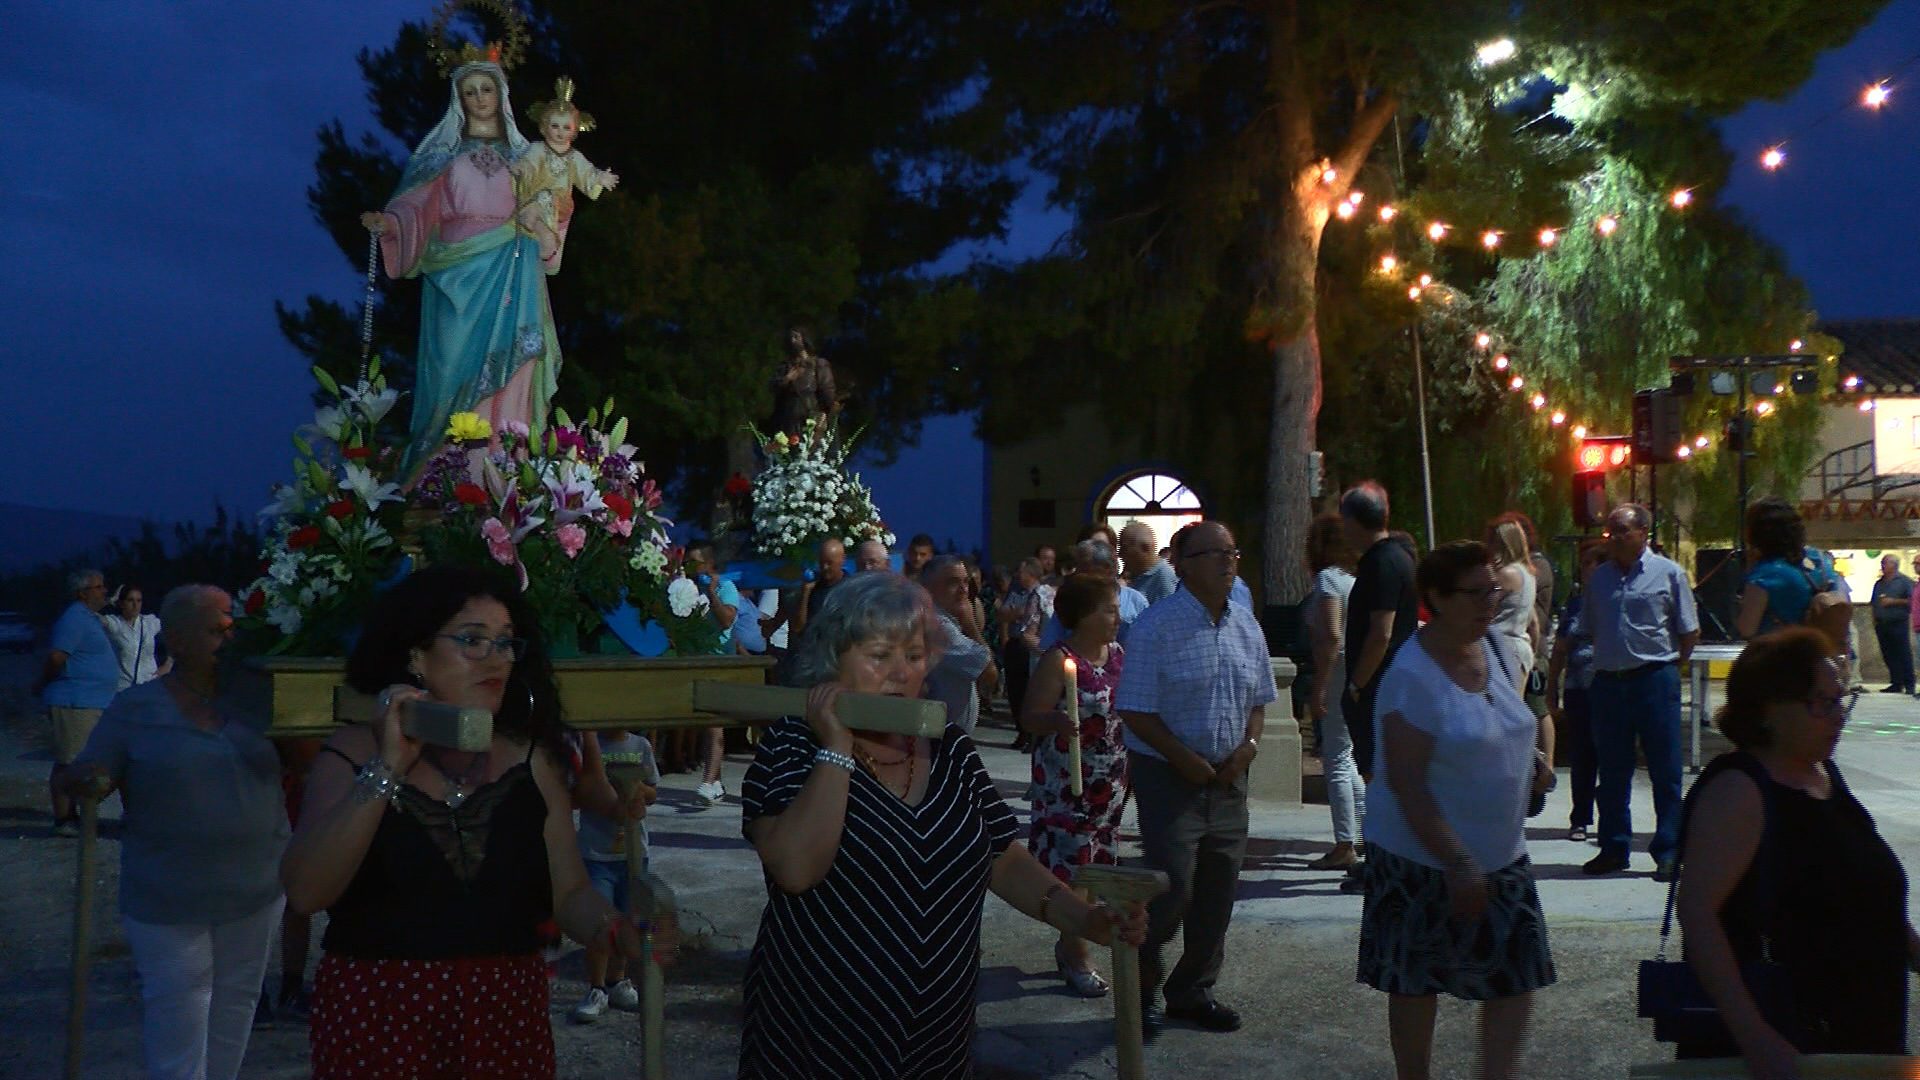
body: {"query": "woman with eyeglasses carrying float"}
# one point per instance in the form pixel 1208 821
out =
pixel 437 867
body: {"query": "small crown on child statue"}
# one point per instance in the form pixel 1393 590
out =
pixel 563 100
pixel 507 54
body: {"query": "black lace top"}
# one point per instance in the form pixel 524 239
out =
pixel 439 882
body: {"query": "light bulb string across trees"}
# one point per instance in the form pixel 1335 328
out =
pixel 1503 368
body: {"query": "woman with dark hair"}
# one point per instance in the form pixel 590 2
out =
pixel 1331 561
pixel 436 866
pixel 1451 906
pixel 1569 678
pixel 1069 830
pixel 879 850
pixel 1778 587
pixel 1781 862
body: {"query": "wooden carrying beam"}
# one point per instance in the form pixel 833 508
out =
pixel 865 712
pixel 432 722
pixel 1812 1067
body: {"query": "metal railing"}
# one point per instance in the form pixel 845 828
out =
pixel 1851 473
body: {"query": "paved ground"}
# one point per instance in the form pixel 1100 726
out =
pixel 1289 969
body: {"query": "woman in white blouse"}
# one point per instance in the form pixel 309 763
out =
pixel 135 637
pixel 1451 905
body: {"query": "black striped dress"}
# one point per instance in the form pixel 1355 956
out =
pixel 873 972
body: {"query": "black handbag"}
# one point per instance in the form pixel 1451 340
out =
pixel 1670 993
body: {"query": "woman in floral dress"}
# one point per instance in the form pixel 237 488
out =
pixel 1068 830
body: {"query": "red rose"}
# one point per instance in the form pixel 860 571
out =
pixel 341 509
pixel 621 506
pixel 470 494
pixel 304 536
pixel 738 486
pixel 256 602
pixel 357 453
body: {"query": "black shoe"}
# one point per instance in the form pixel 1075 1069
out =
pixel 1665 871
pixel 1211 1015
pixel 1892 690
pixel 1152 1022
pixel 1353 886
pixel 1607 862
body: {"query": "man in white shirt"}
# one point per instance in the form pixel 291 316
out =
pixel 965 670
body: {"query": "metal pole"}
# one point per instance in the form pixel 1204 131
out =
pixel 1426 462
pixel 1740 474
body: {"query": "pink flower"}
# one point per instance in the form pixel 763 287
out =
pixel 499 542
pixel 621 526
pixel 650 495
pixel 571 537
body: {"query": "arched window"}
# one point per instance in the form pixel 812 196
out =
pixel 1162 503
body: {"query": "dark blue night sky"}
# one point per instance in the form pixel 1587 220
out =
pixel 157 196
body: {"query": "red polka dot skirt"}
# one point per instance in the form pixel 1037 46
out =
pixel 471 1017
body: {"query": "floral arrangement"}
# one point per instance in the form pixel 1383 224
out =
pixel 568 511
pixel 805 495
pixel 334 537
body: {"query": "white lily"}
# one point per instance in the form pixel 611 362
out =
pixel 572 490
pixel 361 481
pixel 331 422
pixel 286 500
pixel 372 405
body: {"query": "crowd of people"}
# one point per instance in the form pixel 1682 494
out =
pixel 1442 687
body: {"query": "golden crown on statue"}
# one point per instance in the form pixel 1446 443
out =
pixel 447 55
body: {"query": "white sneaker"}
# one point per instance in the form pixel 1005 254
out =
pixel 623 996
pixel 711 792
pixel 591 1008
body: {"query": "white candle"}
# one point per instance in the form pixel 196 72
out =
pixel 1073 718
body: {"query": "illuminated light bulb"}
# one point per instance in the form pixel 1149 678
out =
pixel 1867 405
pixel 1796 345
pixel 1344 210
pixel 1876 95
pixel 1701 442
pixel 1773 157
pixel 1355 196
pixel 1426 280
pixel 1437 230
pixel 1489 239
pixel 1388 264
pixel 1765 407
pixel 1852 383
pixel 1495 52
pixel 1681 199
pixel 1579 431
pixel 1539 401
pixel 1413 292
pixel 1329 174
pixel 1482 340
pixel 1684 451
pixel 1779 388
pixel 1548 236
pixel 1516 383
pixel 1387 212
pixel 1557 418
pixel 1607 225
pixel 1500 362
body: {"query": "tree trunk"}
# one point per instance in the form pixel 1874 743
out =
pixel 1291 434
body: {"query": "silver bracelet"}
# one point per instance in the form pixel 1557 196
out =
pixel 833 757
pixel 375 782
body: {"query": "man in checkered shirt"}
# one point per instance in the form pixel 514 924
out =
pixel 1194 700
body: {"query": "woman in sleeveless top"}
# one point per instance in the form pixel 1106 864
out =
pixel 1781 862
pixel 1069 830
pixel 1777 589
pixel 1515 622
pixel 1331 561
pixel 438 867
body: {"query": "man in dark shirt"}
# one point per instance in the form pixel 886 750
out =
pixel 1382 610
pixel 1891 596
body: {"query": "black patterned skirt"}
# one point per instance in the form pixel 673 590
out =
pixel 1409 945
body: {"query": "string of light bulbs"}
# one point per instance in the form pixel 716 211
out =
pixel 1874 96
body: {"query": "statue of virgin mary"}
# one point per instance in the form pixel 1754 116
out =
pixel 487 342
